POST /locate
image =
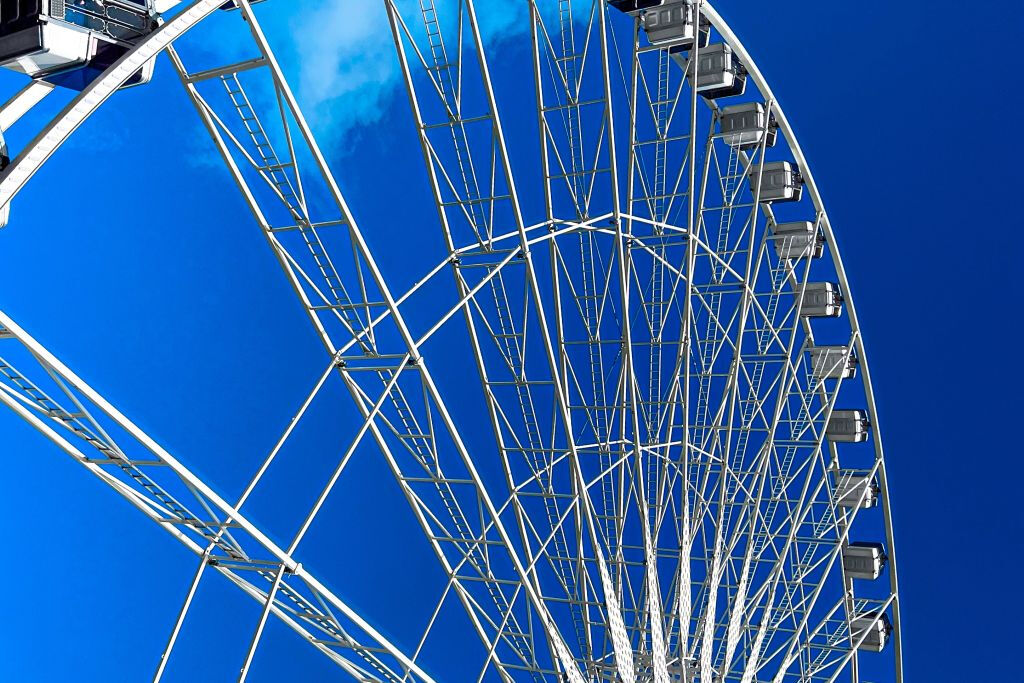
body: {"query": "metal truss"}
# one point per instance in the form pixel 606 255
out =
pixel 650 316
pixel 51 398
pixel 674 505
pixel 380 361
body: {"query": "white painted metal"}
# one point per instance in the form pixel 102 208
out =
pixel 23 101
pixel 675 509
pixel 149 483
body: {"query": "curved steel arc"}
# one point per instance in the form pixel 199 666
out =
pixel 785 127
pixel 14 179
pixel 507 326
pixel 87 102
pixel 153 498
pixel 96 93
pixel 574 168
pixel 493 532
pixel 445 70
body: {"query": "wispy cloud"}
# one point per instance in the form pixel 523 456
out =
pixel 349 72
pixel 347 67
pixel 340 55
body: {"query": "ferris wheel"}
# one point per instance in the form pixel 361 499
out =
pixel 684 478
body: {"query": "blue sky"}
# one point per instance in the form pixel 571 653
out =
pixel 132 257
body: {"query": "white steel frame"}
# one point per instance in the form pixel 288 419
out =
pixel 641 351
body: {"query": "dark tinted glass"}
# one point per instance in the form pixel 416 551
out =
pixel 18 14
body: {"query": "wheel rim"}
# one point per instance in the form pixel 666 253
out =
pixel 572 406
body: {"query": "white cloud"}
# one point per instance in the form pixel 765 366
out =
pixel 340 57
pixel 347 67
pixel 349 72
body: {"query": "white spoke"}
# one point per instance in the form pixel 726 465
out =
pixel 686 472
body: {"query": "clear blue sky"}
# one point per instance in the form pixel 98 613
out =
pixel 132 257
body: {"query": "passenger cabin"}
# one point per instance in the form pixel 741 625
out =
pixel 719 73
pixel 857 491
pixel 848 426
pixel 672 25
pixel 832 362
pixel 800 239
pixel 872 630
pixel 822 300
pixel 746 125
pixel 635 7
pixel 864 560
pixel 71 42
pixel 776 181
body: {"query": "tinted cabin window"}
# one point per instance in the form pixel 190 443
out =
pixel 18 14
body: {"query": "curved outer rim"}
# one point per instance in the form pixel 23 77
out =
pixel 89 100
pixel 784 126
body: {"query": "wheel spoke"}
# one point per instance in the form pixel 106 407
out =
pixel 686 447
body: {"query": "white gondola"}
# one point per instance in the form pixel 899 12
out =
pixel 746 125
pixel 857 491
pixel 872 630
pixel 672 25
pixel 776 181
pixel 719 73
pixel 864 560
pixel 796 240
pixel 69 43
pixel 832 362
pixel 849 426
pixel 822 300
